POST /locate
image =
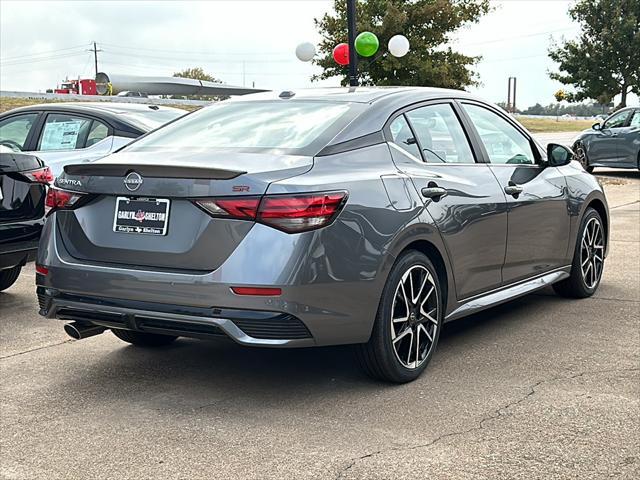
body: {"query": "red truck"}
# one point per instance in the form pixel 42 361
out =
pixel 78 87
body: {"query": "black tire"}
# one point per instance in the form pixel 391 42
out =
pixel 378 357
pixel 581 156
pixel 8 277
pixel 576 286
pixel 142 339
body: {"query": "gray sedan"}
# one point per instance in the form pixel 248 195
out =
pixel 321 217
pixel 612 143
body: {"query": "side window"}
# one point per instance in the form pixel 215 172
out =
pixel 15 130
pixel 62 131
pixel 617 120
pixel 402 136
pixel 440 134
pixel 97 132
pixel 503 142
pixel 635 120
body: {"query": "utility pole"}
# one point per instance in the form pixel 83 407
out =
pixel 353 56
pixel 511 95
pixel 95 56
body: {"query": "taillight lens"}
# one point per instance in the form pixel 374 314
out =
pixel 60 199
pixel 299 213
pixel 290 213
pixel 42 175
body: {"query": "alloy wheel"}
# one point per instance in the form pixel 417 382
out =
pixel 581 156
pixel 592 253
pixel 414 317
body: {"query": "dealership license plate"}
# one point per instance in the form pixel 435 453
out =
pixel 144 216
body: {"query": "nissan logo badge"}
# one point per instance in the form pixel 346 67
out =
pixel 133 181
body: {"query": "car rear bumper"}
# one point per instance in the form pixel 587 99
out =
pixel 315 296
pixel 247 327
pixel 19 253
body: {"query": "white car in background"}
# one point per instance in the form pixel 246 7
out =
pixel 64 133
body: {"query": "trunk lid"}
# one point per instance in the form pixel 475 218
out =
pixel 149 185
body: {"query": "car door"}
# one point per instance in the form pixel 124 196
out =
pixel 17 131
pixel 536 195
pixel 429 144
pixel 67 138
pixel 629 144
pixel 605 145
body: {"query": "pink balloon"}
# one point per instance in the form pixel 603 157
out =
pixel 341 54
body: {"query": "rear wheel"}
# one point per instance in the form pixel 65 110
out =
pixel 408 322
pixel 588 259
pixel 8 277
pixel 142 339
pixel 581 156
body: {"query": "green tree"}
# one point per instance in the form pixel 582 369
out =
pixel 198 73
pixel 426 23
pixel 605 59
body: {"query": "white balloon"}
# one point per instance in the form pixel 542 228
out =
pixel 305 52
pixel 398 45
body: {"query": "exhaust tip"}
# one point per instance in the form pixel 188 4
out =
pixel 72 331
pixel 78 331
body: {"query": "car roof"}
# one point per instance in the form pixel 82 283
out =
pixel 351 94
pixel 96 107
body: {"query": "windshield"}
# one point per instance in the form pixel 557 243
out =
pixel 152 119
pixel 282 125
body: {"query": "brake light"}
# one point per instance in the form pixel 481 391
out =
pixel 61 199
pixel 42 270
pixel 42 175
pixel 290 213
pixel 299 213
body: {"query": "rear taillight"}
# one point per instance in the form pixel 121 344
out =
pixel 61 199
pixel 290 213
pixel 42 175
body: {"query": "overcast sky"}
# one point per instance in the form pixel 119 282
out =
pixel 242 42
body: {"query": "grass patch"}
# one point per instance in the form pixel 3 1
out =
pixel 544 125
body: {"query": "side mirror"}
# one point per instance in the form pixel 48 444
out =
pixel 558 155
pixel 597 126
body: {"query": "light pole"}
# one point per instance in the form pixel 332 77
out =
pixel 351 35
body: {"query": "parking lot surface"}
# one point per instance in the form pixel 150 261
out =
pixel 542 387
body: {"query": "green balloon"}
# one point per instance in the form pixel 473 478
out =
pixel 367 44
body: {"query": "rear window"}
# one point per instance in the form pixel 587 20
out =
pixel 286 126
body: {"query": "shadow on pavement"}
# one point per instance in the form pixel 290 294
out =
pixel 220 372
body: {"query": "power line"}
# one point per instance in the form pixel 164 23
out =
pixel 160 50
pixel 37 60
pixel 3 59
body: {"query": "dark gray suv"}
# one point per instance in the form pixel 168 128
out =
pixel 321 217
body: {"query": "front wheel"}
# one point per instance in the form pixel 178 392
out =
pixel 143 339
pixel 581 156
pixel 588 259
pixel 408 322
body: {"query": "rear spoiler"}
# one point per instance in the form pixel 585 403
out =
pixel 146 170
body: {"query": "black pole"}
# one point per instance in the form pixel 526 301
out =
pixel 353 56
pixel 95 57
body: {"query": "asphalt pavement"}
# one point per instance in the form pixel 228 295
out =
pixel 542 387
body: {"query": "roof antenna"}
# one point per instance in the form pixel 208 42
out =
pixel 287 94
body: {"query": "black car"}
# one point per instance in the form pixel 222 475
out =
pixel 23 180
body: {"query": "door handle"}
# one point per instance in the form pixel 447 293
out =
pixel 614 134
pixel 433 191
pixel 513 189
